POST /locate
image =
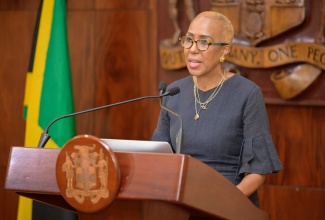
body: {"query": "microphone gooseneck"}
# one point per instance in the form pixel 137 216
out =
pixel 45 136
pixel 179 136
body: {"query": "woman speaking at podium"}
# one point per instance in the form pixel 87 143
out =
pixel 225 123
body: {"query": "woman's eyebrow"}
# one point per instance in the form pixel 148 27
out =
pixel 201 36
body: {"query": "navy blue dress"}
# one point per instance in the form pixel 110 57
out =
pixel 232 135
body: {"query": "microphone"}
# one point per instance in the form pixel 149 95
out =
pixel 45 136
pixel 179 136
pixel 162 87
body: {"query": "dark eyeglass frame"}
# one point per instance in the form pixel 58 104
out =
pixel 209 43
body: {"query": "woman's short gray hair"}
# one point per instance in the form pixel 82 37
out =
pixel 227 34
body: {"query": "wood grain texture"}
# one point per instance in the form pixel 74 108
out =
pixel 80 4
pixel 19 5
pixel 298 134
pixel 9 199
pixel 16 30
pixel 81 47
pixel 123 59
pixel 122 4
pixel 294 202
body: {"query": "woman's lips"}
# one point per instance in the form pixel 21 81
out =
pixel 193 63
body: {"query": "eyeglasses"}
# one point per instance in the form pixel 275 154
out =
pixel 202 45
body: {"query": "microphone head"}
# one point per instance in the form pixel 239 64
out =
pixel 162 87
pixel 174 91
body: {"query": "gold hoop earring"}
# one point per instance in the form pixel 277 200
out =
pixel 222 59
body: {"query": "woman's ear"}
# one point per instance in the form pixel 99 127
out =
pixel 226 50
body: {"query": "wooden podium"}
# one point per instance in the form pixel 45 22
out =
pixel 151 186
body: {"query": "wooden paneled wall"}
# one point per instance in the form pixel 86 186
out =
pixel 297 192
pixel 114 60
pixel 16 31
pixel 114 56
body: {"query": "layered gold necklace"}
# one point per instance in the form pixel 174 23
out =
pixel 203 105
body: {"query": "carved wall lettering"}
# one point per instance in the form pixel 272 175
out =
pixel 278 55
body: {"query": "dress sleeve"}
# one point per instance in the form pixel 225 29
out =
pixel 259 156
pixel 258 153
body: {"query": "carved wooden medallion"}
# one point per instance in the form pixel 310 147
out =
pixel 87 173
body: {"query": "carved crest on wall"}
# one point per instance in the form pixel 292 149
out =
pixel 258 20
pixel 297 62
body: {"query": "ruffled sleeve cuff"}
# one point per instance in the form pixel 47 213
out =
pixel 258 155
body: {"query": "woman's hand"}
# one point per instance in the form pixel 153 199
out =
pixel 250 183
